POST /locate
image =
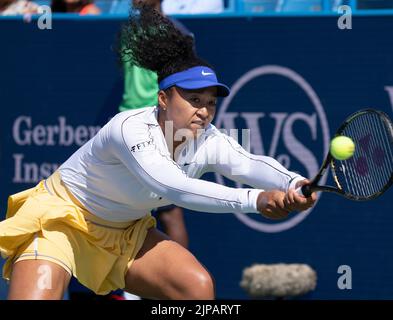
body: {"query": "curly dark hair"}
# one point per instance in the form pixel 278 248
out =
pixel 151 41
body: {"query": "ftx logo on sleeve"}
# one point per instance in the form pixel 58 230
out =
pixel 143 146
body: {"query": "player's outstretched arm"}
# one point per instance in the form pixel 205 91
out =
pixel 235 163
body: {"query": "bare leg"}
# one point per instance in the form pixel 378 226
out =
pixel 163 269
pixel 173 224
pixel 38 280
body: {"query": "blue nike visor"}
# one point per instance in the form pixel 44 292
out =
pixel 195 78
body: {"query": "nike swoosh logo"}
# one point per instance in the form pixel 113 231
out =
pixel 206 73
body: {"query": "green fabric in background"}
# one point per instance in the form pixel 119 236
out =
pixel 140 88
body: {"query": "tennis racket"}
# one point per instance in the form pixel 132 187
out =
pixel 369 172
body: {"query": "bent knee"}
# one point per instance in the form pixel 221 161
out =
pixel 200 286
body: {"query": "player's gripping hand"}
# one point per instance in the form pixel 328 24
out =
pixel 277 204
pixel 296 202
pixel 271 204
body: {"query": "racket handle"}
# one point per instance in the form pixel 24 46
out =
pixel 304 190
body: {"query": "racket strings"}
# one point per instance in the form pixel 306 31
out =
pixel 370 169
pixel 371 156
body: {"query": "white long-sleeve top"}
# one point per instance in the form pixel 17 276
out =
pixel 126 170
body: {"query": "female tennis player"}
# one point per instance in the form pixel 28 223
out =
pixel 91 219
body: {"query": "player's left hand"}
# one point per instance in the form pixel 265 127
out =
pixel 296 202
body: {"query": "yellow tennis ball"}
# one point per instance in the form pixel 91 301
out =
pixel 342 148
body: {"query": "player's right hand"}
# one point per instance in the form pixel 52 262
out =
pixel 271 204
pixel 295 202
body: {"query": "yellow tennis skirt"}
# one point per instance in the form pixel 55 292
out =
pixel 46 222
